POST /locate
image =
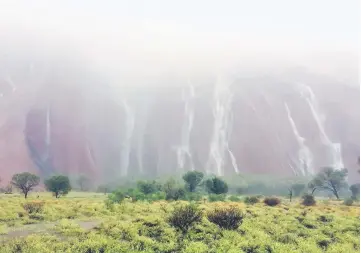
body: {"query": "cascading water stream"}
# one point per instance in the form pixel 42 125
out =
pixel 183 151
pixel 334 149
pixel 222 113
pixel 304 164
pixel 127 142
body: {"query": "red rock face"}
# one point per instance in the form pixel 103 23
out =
pixel 70 124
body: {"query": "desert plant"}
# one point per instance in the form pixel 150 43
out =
pixel 348 202
pixel 33 207
pixel 183 217
pixel 227 218
pixel 58 185
pixel 308 200
pixel 192 179
pixel 250 200
pixel 272 201
pixel 216 185
pixel 25 182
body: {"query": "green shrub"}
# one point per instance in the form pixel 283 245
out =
pixel 216 186
pixel 228 218
pixel 250 200
pixel 148 187
pixel 175 194
pixel 193 196
pixel 308 200
pixel 234 198
pixel 116 196
pixel 183 217
pixel 348 202
pixel 34 207
pixel 216 197
pixel 272 201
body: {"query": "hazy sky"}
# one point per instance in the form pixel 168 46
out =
pixel 153 31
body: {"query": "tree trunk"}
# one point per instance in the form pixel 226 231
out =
pixel 313 191
pixel 26 194
pixel 336 193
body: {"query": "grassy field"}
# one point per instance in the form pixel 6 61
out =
pixel 82 222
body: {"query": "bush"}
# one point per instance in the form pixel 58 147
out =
pixel 216 185
pixel 308 200
pixel 228 218
pixel 250 200
pixel 348 202
pixel 148 187
pixel 175 194
pixel 116 196
pixel 272 201
pixel 216 197
pixel 234 198
pixel 183 217
pixel 34 207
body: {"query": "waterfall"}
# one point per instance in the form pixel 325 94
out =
pixel 183 151
pixel 304 164
pixel 223 119
pixel 334 149
pixel 47 134
pixel 127 141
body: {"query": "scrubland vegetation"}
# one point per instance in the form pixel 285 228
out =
pixel 196 214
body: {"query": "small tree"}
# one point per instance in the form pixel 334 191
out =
pixel 355 190
pixel 193 179
pixel 148 187
pixel 330 180
pixel 25 182
pixel 216 185
pixel 58 185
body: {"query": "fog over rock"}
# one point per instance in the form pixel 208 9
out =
pixel 118 98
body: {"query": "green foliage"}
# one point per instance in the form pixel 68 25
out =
pixel 183 217
pixel 329 179
pixel 25 182
pixel 216 197
pixel 227 218
pixel 116 196
pixel 272 201
pixel 348 202
pixel 82 223
pixel 216 185
pixel 58 185
pixel 193 196
pixel 192 179
pixel 234 198
pixel 250 200
pixel 148 187
pixel 355 190
pixel 308 200
pixel 173 191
